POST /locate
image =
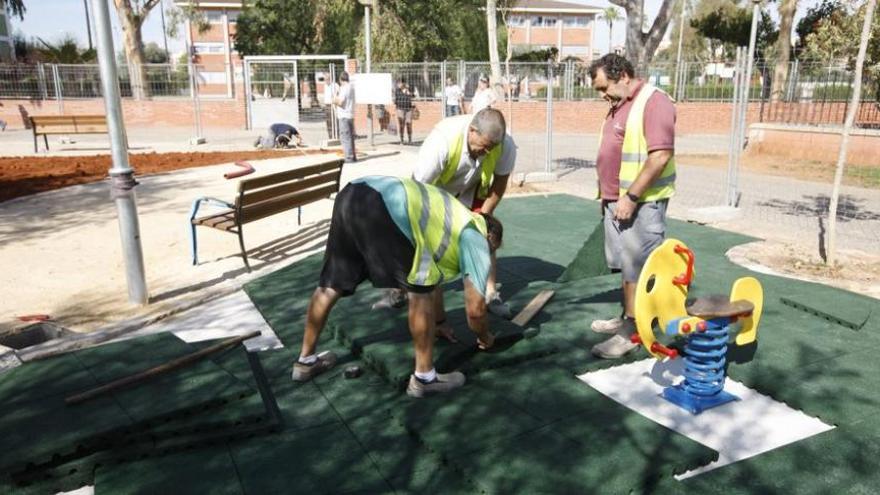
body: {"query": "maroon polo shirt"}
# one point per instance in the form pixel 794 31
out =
pixel 659 133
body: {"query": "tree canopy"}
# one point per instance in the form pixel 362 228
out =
pixel 832 38
pixel 16 8
pixel 730 26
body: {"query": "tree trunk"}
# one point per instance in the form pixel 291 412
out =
pixel 492 30
pixel 640 46
pixel 783 46
pixel 844 139
pixel 610 26
pixel 134 48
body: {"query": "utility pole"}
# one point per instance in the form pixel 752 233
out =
pixel 164 31
pixel 88 24
pixel 367 35
pixel 121 174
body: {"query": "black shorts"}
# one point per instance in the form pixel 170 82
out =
pixel 365 243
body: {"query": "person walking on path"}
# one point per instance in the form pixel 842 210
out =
pixel 403 104
pixel 636 171
pixel 330 90
pixel 471 157
pixel 403 234
pixel 484 97
pixel 344 101
pixel 453 94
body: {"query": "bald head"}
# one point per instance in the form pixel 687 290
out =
pixel 489 123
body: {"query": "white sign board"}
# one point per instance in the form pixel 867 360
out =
pixel 372 89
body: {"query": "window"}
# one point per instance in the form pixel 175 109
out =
pixel 575 50
pixel 214 16
pixel 548 21
pixel 516 21
pixel 203 47
pixel 575 21
pixel 232 15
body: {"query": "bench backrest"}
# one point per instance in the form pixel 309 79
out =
pixel 69 124
pixel 261 197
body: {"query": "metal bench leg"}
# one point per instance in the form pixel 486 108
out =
pixel 35 143
pixel 243 252
pixel 46 140
pixel 299 215
pixel 192 232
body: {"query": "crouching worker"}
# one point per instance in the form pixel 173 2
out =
pixel 399 233
pixel 279 136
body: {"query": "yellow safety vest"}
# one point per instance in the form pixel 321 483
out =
pixel 437 220
pixel 453 128
pixel 635 153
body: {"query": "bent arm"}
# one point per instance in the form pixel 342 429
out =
pixel 496 192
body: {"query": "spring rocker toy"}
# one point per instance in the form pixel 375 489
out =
pixel 706 324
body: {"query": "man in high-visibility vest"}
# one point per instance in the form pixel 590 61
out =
pixel 400 233
pixel 636 171
pixel 471 157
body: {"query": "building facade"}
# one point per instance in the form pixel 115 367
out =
pixel 543 24
pixel 212 50
pixel 7 47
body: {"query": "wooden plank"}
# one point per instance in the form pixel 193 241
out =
pixel 287 202
pixel 268 193
pixel 533 307
pixel 281 177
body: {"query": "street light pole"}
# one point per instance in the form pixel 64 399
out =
pixel 367 4
pixel 676 92
pixel 121 174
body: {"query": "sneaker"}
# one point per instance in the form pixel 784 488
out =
pixel 392 299
pixel 613 348
pixel 612 326
pixel 498 307
pixel 305 372
pixel 443 383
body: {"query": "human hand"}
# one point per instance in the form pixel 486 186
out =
pixel 625 209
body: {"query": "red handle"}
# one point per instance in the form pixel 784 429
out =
pixel 662 349
pixel 247 168
pixel 687 277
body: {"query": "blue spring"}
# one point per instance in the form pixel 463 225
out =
pixel 704 357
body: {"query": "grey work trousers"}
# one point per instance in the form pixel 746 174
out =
pixel 346 136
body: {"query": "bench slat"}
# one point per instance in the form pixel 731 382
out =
pixel 280 177
pixel 286 202
pixel 251 198
pixel 224 220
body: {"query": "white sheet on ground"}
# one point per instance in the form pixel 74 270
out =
pixel 737 430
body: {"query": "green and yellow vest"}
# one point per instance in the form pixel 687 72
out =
pixel 635 152
pixel 437 220
pixel 453 128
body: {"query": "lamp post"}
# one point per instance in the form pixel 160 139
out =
pixel 367 4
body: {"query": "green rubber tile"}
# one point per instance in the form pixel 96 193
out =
pixel 208 470
pixel 34 432
pixel 282 297
pixel 353 398
pixel 326 459
pixel 395 452
pixel 842 460
pixel 112 361
pixel 62 478
pixel 590 259
pixel 63 375
pixel 439 479
pixel 302 405
pixel 459 422
pixel 542 388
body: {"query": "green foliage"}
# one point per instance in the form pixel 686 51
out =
pixel 155 54
pixel 16 8
pixel 536 55
pixel 66 51
pixel 729 26
pixel 272 27
pixel 814 17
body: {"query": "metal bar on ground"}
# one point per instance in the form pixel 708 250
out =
pixel 161 369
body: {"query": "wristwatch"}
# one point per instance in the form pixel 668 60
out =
pixel 632 197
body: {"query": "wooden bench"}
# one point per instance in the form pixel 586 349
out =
pixel 43 125
pixel 260 197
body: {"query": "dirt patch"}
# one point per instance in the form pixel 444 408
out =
pixel 854 175
pixel 23 176
pixel 853 270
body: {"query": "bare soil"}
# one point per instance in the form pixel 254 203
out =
pixel 23 176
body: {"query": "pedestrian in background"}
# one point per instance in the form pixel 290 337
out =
pixel 344 102
pixel 404 107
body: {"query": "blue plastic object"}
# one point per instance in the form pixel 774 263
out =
pixel 704 356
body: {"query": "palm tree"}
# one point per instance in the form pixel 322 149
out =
pixel 611 15
pixel 15 7
pixel 844 139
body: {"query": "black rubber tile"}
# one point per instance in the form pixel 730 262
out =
pixel 62 375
